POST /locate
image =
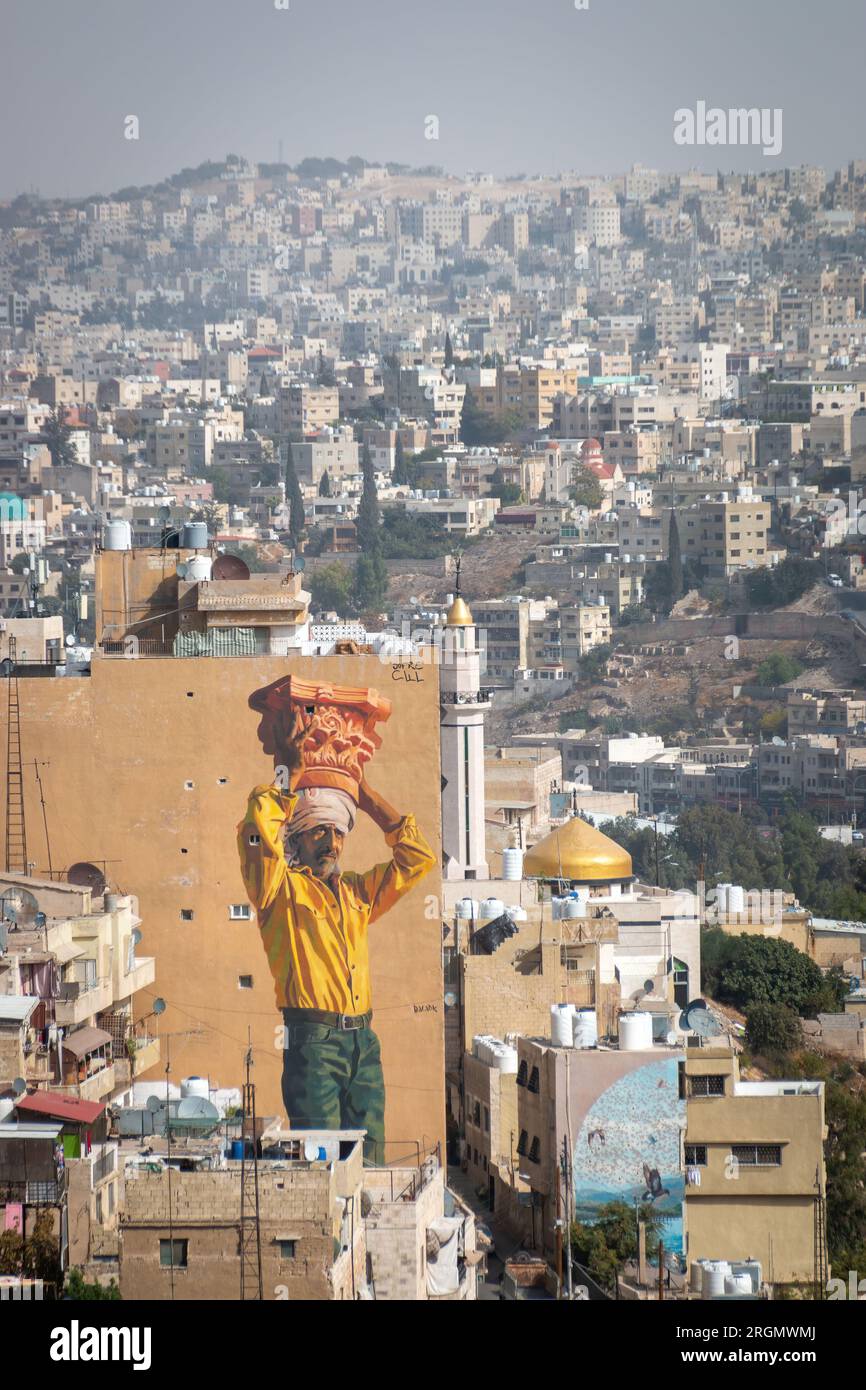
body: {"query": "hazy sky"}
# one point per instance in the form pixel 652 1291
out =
pixel 517 86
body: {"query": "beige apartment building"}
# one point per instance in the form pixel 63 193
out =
pixel 754 1162
pixel 726 536
pixel 305 409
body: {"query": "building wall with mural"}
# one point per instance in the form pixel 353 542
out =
pixel 147 766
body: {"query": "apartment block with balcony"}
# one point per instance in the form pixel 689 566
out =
pixel 69 973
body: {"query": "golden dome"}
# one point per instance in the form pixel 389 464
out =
pixel 459 614
pixel 578 852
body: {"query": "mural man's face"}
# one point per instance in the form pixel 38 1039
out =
pixel 320 849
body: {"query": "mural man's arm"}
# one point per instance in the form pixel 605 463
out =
pixel 260 843
pixel 384 885
pixel 260 833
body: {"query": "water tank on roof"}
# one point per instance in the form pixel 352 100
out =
pixel 506 1059
pixel 117 536
pixel 467 909
pixel 585 1028
pixel 195 1086
pixel 512 864
pixel 738 1285
pixel 736 899
pixel 715 1273
pixel 199 568
pixel 635 1032
pixel 194 535
pixel 562 1025
pixel 490 909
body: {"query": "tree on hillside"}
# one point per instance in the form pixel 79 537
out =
pixel 295 498
pixel 400 476
pixel 58 437
pixel 778 668
pixel 585 489
pixel 370 582
pixel 772 1028
pixel 367 522
pixel 449 353
pixel 675 560
pixel 330 588
pixel 325 484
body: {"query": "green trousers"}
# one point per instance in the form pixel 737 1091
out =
pixel 333 1080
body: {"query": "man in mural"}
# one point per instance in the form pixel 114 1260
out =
pixel 314 919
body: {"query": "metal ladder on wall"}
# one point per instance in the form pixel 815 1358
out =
pixel 250 1230
pixel 16 830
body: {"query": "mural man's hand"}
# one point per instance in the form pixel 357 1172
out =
pixel 377 808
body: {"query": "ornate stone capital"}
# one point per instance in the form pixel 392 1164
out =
pixel 340 737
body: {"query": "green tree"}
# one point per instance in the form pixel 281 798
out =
pixel 845 1116
pixel 58 436
pixel 400 476
pixel 675 561
pixel 508 493
pixel 478 429
pixel 585 490
pixel 768 970
pixel 370 585
pixel 367 522
pixel 772 1028
pixel 78 1288
pixel 778 668
pixel 604 1245
pixel 330 588
pixel 449 353
pixel 295 497
pixel 325 484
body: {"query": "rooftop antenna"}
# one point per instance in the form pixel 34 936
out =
pixel 16 829
pixel 251 1231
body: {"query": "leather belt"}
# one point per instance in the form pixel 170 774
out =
pixel 345 1023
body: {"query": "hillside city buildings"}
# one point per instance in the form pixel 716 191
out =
pixel 597 416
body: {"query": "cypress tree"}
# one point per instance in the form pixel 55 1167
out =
pixel 295 498
pixel 325 484
pixel 675 561
pixel 367 523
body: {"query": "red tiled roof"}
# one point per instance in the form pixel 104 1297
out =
pixel 62 1107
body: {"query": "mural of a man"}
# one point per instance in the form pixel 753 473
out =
pixel 313 920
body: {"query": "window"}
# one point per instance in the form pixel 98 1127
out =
pixel 186 914
pixel 522 1073
pixel 535 1150
pixel 240 912
pixel 534 1081
pixel 522 1142
pixel 757 1155
pixel 245 981
pixel 696 1155
pixel 486 1120
pixel 706 1085
pixel 287 1249
pixel 173 1253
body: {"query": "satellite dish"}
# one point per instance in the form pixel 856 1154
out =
pixel 19 1085
pixel 70 640
pixel 87 875
pixel 230 567
pixel 6 667
pixel 701 1021
pixel 671 1038
pixel 153 1104
pixel 40 919
pixel 648 986
pixel 450 999
pixel 159 1006
pixel 311 1150
pixel 19 906
pixel 136 936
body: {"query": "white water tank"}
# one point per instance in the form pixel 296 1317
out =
pixel 750 1268
pixel 715 1273
pixel 723 891
pixel 562 1025
pixel 199 568
pixel 635 1032
pixel 512 864
pixel 585 1028
pixel 736 899
pixel 490 909
pixel 506 1059
pixel 696 1278
pixel 737 1285
pixel 117 536
pixel 570 907
pixel 6 1108
pixel 195 1086
pixel 467 909
pixel 515 913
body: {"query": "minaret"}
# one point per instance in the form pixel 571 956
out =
pixel 463 705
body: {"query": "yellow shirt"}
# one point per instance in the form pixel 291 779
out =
pixel 316 942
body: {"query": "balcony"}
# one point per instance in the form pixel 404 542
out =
pixel 80 1005
pixel 145 1055
pixel 143 973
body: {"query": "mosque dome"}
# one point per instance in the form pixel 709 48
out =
pixel 580 853
pixel 459 614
